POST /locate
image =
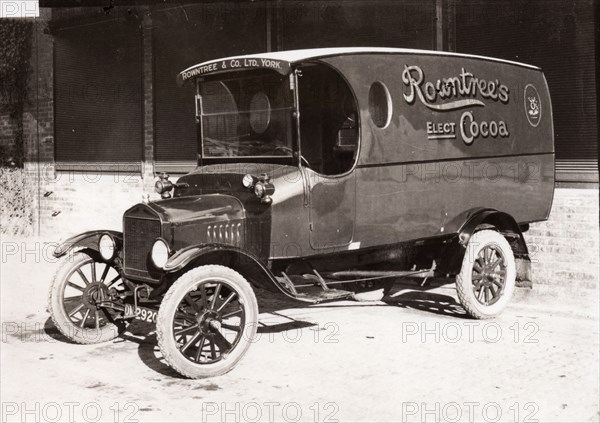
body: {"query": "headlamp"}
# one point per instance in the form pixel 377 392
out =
pixel 248 181
pixel 163 186
pixel 107 247
pixel 261 186
pixel 259 189
pixel 160 253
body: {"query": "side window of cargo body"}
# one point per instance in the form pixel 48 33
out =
pixel 380 104
pixel 328 120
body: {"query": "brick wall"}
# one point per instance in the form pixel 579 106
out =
pixel 38 114
pixel 8 130
pixel 80 201
pixel 148 69
pixel 565 249
pixel 68 202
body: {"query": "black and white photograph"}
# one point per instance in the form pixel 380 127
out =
pixel 299 211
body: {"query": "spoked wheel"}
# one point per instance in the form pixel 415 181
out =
pixel 487 278
pixel 206 321
pixel 79 285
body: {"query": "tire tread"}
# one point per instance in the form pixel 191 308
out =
pixel 64 262
pixel 163 331
pixel 461 289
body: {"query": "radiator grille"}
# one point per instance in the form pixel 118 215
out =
pixel 138 237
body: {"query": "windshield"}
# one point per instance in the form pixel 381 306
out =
pixel 246 116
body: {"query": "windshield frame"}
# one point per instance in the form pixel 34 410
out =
pixel 291 159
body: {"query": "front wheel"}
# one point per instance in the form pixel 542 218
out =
pixel 487 278
pixel 81 283
pixel 207 321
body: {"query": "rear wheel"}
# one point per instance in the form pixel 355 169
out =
pixel 487 278
pixel 79 285
pixel 207 321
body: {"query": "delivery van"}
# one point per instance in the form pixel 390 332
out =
pixel 322 174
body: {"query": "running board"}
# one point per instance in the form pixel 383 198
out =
pixel 326 295
pixel 321 292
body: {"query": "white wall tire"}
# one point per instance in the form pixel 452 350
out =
pixel 486 281
pixel 207 321
pixel 69 304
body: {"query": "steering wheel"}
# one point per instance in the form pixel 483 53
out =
pixel 288 149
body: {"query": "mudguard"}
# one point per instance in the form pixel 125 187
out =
pixel 454 252
pixel 86 240
pixel 238 259
pixel 504 222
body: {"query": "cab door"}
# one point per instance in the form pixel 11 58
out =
pixel 332 202
pixel 329 144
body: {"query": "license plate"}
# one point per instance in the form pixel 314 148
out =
pixel 145 314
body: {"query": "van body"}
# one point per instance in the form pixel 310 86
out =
pixel 323 174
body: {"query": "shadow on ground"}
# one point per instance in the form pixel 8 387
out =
pixel 429 302
pixel 271 306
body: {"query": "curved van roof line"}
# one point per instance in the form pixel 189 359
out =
pixel 282 60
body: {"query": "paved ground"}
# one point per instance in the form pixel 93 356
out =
pixel 416 358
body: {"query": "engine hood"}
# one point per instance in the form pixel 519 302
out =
pixel 192 220
pixel 210 207
pixel 181 222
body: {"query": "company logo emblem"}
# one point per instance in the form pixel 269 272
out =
pixel 533 106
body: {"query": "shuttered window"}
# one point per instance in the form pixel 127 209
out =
pixel 98 97
pixel 184 36
pixel 559 38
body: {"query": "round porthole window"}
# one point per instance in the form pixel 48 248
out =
pixel 380 104
pixel 260 112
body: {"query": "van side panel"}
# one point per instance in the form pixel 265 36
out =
pixel 420 200
pixel 464 134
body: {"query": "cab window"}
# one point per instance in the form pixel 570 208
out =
pixel 328 120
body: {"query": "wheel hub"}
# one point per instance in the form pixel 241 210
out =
pixel 209 321
pixel 93 294
pixel 488 276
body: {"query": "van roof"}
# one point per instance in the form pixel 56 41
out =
pixel 281 61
